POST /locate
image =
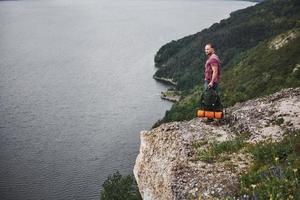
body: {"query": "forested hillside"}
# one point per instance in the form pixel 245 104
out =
pixel 259 50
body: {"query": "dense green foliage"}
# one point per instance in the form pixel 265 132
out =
pixel 117 187
pixel 250 68
pixel 262 71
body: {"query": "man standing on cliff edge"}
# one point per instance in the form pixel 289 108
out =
pixel 212 71
pixel 212 68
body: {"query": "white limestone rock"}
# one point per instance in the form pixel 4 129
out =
pixel 166 168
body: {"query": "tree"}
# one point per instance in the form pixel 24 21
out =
pixel 117 187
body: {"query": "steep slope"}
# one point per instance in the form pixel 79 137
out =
pixel 243 30
pixel 270 66
pixel 242 43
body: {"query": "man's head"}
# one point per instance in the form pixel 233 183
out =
pixel 209 49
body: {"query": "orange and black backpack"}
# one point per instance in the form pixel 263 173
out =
pixel 210 105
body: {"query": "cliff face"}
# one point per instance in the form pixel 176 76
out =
pixel 167 166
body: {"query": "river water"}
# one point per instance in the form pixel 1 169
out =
pixel 76 87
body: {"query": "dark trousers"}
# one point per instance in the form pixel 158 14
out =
pixel 215 86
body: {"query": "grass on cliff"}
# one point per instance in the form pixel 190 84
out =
pixel 218 151
pixel 275 173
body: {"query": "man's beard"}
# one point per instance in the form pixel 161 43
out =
pixel 209 54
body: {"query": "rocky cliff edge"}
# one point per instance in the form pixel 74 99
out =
pixel 167 167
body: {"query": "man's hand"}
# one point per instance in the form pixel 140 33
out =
pixel 210 85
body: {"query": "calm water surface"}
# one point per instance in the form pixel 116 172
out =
pixel 76 87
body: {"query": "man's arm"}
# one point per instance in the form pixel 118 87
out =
pixel 214 74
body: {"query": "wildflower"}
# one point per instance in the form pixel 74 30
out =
pixel 276 159
pixel 253 186
pixel 295 170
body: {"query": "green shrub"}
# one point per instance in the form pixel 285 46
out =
pixel 117 187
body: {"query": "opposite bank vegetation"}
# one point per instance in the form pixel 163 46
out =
pixel 260 52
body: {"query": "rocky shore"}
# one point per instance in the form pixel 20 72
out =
pixel 165 80
pixel 171 95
